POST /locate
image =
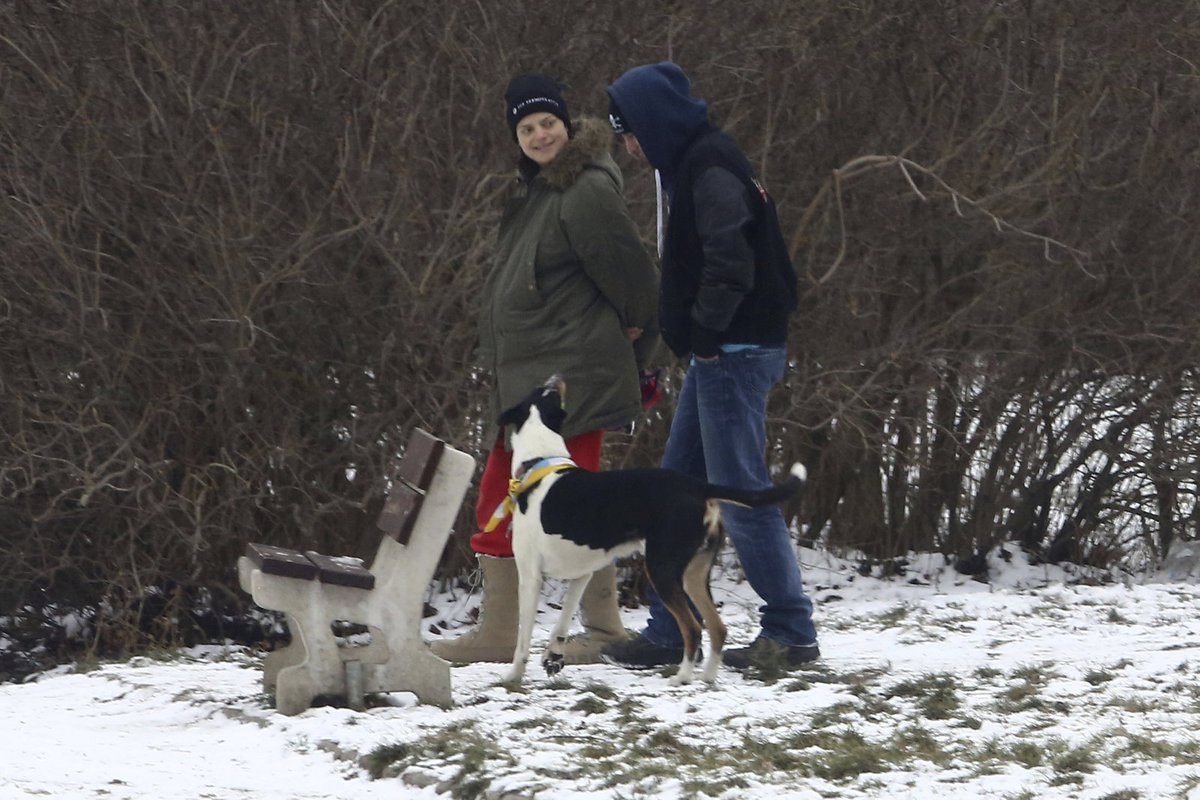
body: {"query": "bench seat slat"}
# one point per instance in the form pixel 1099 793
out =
pixel 281 561
pixel 341 571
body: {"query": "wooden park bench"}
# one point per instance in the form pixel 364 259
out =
pixel 319 595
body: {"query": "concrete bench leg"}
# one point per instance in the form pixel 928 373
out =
pixel 419 672
pixel 286 656
pixel 318 670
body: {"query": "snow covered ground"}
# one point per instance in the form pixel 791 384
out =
pixel 1040 684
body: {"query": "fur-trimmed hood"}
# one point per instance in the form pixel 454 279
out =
pixel 591 146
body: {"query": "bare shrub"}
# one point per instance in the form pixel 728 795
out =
pixel 243 247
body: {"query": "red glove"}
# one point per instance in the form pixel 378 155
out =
pixel 651 390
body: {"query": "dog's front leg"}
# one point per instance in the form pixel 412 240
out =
pixel 553 660
pixel 529 576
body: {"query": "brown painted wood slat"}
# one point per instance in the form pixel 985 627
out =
pixel 341 570
pixel 281 561
pixel 400 512
pixel 421 456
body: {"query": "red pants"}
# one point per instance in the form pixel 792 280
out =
pixel 493 487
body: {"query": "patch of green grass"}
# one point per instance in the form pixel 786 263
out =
pixel 1021 697
pixel 1145 748
pixel 1075 761
pixel 545 721
pixel 641 757
pixel 893 617
pixel 459 744
pixel 86 663
pixel 381 761
pixel 1135 705
pixel 934 694
pixel 591 705
pixel 871 706
pixel 628 711
pixel 1036 674
pixel 1027 754
pixel 862 677
pixel 851 757
pixel 600 690
pixel 833 715
pixel 1186 785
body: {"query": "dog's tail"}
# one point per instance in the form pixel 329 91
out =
pixel 760 497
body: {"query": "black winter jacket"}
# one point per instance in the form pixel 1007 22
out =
pixel 726 274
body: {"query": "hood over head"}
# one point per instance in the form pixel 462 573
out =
pixel 654 102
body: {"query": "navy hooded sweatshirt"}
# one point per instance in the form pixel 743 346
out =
pixel 727 278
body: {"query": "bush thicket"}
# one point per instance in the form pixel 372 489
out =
pixel 242 248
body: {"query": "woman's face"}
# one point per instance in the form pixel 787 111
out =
pixel 542 137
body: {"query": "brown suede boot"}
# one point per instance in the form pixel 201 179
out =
pixel 601 619
pixel 495 636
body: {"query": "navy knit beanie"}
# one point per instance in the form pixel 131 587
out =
pixel 530 93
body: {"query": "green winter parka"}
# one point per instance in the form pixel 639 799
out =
pixel 570 276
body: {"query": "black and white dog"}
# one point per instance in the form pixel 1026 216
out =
pixel 569 522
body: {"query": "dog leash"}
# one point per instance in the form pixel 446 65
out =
pixel 518 486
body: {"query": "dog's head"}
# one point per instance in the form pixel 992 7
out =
pixel 536 422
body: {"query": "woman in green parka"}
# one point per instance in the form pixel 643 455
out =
pixel 573 293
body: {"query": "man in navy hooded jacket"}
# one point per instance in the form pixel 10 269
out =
pixel 727 291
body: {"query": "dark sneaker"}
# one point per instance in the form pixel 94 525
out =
pixel 638 652
pixel 768 655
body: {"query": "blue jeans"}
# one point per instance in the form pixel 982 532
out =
pixel 719 434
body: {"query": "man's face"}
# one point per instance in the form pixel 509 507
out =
pixel 633 146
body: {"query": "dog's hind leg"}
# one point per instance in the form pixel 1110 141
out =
pixel 530 579
pixel 553 659
pixel 696 584
pixel 667 580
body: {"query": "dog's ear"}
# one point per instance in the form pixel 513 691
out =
pixel 554 416
pixel 515 416
pixel 549 406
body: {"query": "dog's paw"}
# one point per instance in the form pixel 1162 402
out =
pixel 553 663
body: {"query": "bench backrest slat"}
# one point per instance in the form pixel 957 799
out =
pixel 420 460
pixel 417 467
pixel 399 514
